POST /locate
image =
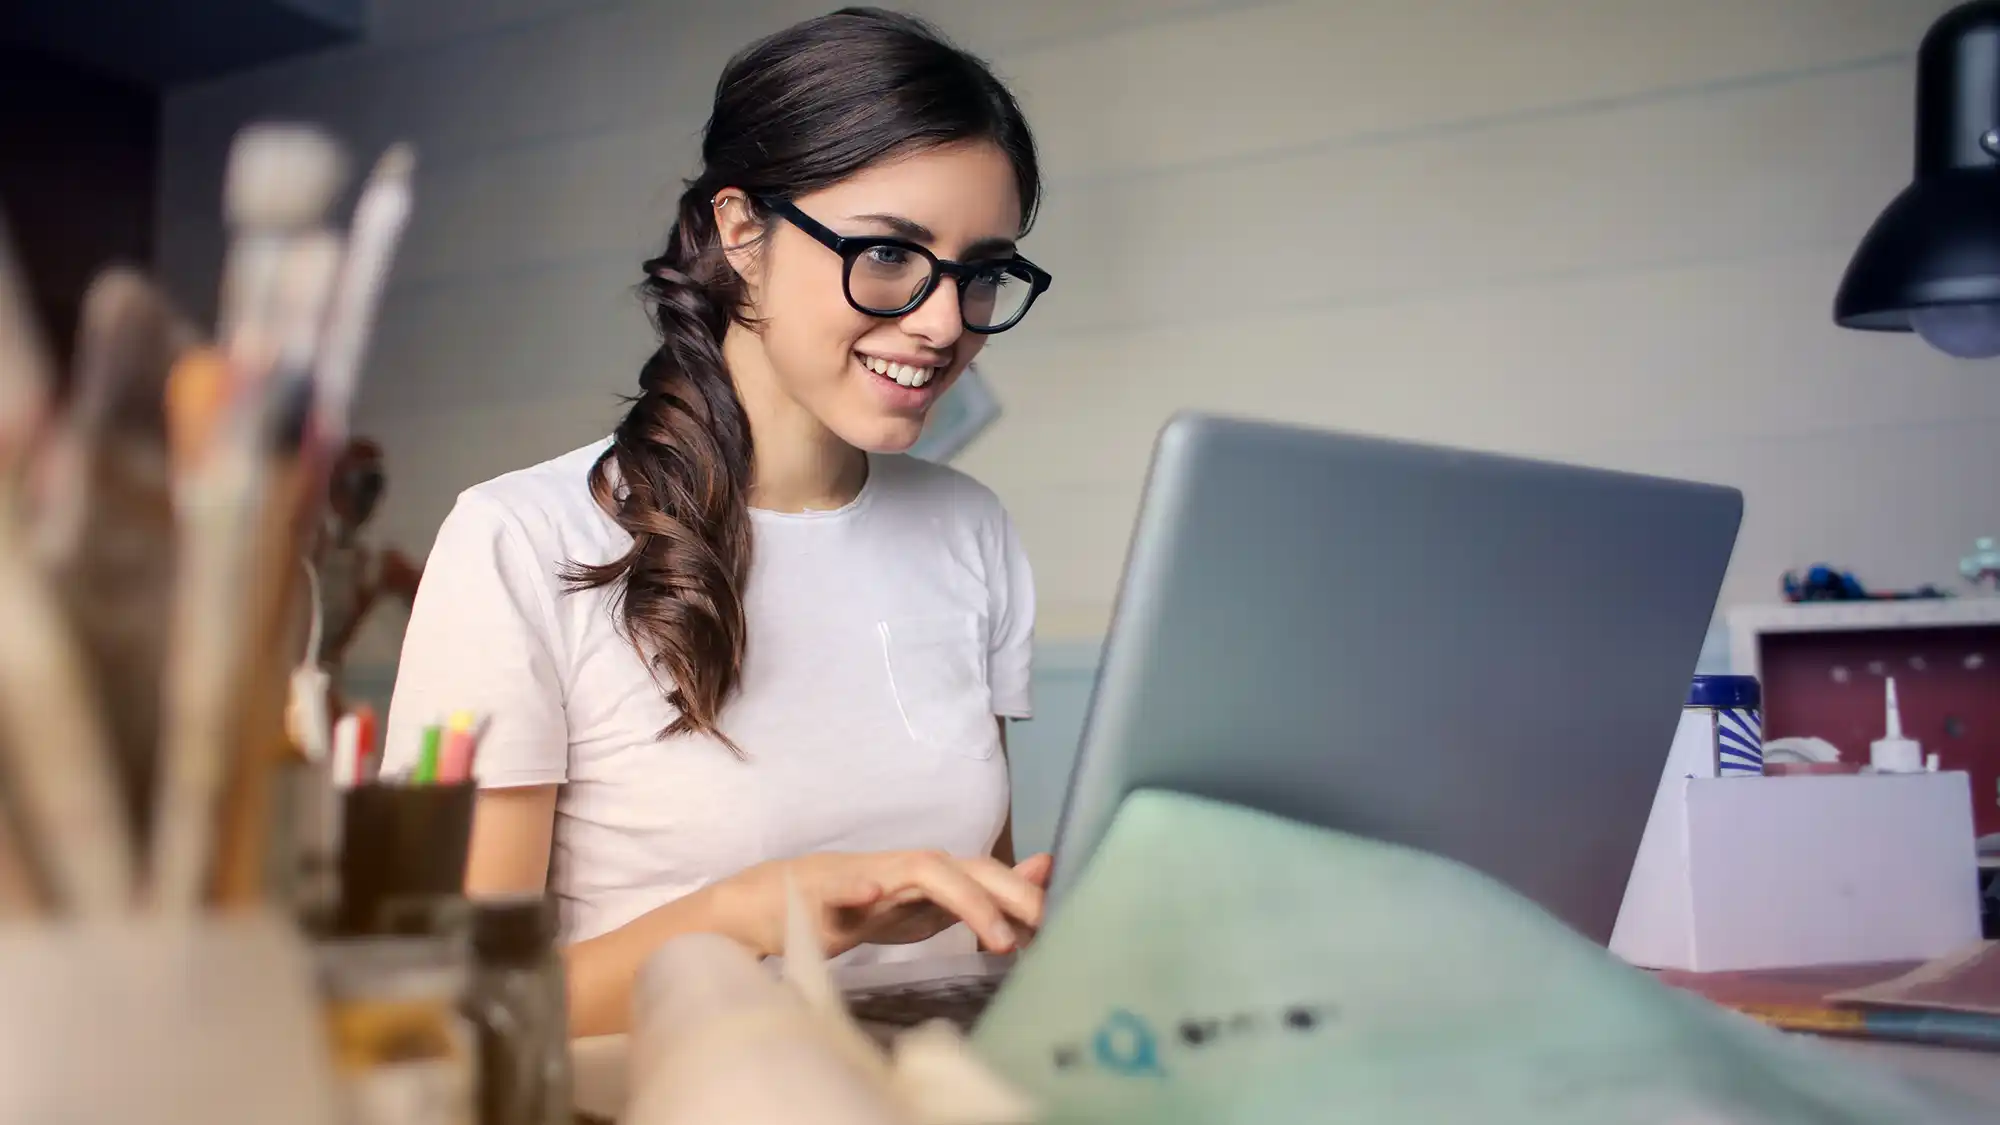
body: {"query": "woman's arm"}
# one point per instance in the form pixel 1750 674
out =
pixel 511 834
pixel 603 970
pixel 509 854
pixel 1003 848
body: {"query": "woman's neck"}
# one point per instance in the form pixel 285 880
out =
pixel 797 464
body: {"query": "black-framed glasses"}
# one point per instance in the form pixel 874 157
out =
pixel 890 277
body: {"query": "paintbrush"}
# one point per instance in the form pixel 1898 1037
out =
pixel 236 494
pixel 265 750
pixel 128 338
pixel 26 371
pixel 281 181
pixel 267 753
pixel 239 561
pixel 103 511
pixel 380 217
pixel 58 767
pixel 21 895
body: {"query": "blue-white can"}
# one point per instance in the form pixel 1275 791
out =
pixel 1732 709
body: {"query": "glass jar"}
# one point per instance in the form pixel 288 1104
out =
pixel 403 1052
pixel 519 1004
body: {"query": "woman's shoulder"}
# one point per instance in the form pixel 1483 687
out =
pixel 550 503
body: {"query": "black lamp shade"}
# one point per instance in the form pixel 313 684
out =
pixel 1938 244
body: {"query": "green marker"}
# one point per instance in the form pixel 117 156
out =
pixel 427 757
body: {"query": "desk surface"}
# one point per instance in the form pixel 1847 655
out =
pixel 600 1069
pixel 1976 1073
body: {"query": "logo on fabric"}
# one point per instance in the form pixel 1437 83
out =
pixel 1128 1045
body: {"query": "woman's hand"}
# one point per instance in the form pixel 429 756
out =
pixel 887 898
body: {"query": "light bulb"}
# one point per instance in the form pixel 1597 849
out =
pixel 1965 331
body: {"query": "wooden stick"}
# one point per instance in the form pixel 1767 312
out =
pixel 21 895
pixel 57 753
pixel 249 838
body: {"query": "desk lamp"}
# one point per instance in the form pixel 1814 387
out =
pixel 1931 262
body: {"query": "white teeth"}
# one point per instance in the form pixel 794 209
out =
pixel 902 373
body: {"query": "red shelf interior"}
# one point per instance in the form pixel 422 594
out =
pixel 1829 685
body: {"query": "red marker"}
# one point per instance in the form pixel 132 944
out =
pixel 362 768
pixel 461 741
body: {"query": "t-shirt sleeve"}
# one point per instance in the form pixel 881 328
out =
pixel 1011 653
pixel 482 638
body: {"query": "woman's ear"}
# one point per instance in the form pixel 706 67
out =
pixel 740 231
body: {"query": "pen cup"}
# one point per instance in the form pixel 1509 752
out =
pixel 401 845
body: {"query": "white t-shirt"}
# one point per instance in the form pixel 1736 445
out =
pixel 883 639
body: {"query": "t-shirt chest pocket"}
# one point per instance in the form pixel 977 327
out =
pixel 937 677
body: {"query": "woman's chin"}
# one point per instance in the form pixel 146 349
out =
pixel 882 431
pixel 888 435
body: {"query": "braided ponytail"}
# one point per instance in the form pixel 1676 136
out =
pixel 677 477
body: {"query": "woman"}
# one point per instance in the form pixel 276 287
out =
pixel 742 642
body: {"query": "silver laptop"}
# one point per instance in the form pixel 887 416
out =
pixel 1480 656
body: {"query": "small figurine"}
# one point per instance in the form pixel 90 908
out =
pixel 353 578
pixel 1823 583
pixel 1983 563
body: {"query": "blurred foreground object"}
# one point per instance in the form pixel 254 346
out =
pixel 151 532
pixel 67 836
pixel 205 1021
pixel 718 1040
pixel 1292 968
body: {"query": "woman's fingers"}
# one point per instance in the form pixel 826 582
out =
pixel 1036 868
pixel 999 904
pixel 945 882
pixel 849 890
pixel 1016 891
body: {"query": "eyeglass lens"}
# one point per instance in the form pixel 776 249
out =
pixel 887 280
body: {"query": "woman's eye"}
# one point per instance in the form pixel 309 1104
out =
pixel 888 256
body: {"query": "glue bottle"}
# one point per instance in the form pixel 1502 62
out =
pixel 1893 753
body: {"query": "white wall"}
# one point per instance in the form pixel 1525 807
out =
pixel 1601 230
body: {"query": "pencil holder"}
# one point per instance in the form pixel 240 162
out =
pixel 400 846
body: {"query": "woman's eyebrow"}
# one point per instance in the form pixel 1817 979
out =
pixel 899 226
pixel 917 232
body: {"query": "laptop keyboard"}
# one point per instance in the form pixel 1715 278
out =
pixel 958 999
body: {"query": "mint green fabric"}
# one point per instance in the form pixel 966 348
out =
pixel 1220 965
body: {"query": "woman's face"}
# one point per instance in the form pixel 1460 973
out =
pixel 960 202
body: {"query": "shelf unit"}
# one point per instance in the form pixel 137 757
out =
pixel 1748 625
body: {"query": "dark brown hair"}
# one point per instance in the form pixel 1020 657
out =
pixel 796 112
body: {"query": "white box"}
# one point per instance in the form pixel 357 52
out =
pixel 1777 872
